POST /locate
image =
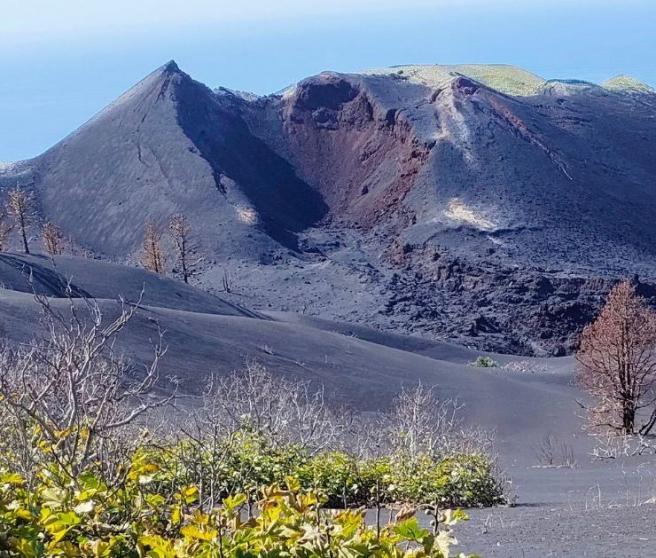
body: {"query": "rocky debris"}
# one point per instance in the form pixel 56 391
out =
pixel 492 307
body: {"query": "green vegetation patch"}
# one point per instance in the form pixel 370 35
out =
pixel 627 83
pixel 485 362
pixel 510 80
pixel 507 79
pixel 268 502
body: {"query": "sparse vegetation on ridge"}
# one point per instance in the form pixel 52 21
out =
pixel 505 78
pixel 627 84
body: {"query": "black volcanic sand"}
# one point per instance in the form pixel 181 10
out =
pixel 593 509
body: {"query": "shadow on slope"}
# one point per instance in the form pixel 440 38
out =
pixel 100 280
pixel 285 203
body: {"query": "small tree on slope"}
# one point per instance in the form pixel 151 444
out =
pixel 5 229
pixel 153 256
pixel 185 247
pixel 53 240
pixel 617 363
pixel 19 206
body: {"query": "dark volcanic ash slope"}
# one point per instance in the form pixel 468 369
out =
pixel 416 199
pixel 504 220
pixel 468 167
pixel 358 366
pixel 168 145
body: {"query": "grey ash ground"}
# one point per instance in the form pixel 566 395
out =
pixel 594 508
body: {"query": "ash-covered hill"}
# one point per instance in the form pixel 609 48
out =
pixel 481 204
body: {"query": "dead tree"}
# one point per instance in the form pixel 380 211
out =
pixel 617 363
pixel 226 282
pixel 20 207
pixel 53 240
pixel 185 247
pixel 153 257
pixel 5 230
pixel 74 392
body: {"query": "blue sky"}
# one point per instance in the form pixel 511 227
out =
pixel 62 61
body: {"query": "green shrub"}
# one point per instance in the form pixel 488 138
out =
pixel 248 462
pixel 86 518
pixel 162 504
pixel 158 506
pixel 485 362
pixel 468 481
pixel 346 481
pixel 461 480
pixel 334 475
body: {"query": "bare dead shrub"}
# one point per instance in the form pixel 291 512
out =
pixel 612 446
pixel 284 411
pixel 553 452
pixel 72 391
pixel 524 367
pixel 422 423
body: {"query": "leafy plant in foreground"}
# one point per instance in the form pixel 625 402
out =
pixel 134 519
